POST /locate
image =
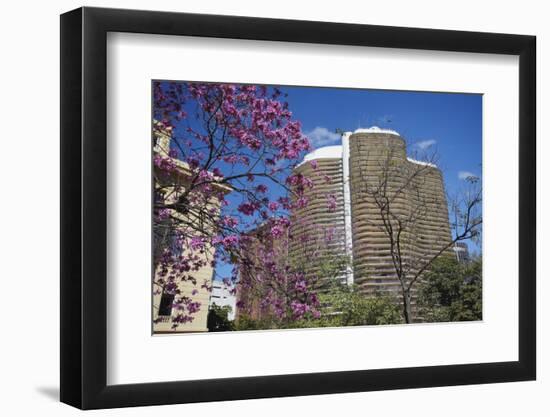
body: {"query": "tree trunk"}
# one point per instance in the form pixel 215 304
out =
pixel 407 313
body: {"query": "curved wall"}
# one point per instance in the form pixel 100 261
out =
pixel 313 224
pixel 421 194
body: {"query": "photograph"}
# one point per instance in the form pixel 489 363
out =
pixel 283 207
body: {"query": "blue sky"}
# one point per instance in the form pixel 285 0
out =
pixel 448 123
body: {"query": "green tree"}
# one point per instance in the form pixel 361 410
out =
pixel 344 305
pixel 245 322
pixel 217 320
pixel 451 292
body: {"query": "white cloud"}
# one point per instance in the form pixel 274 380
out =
pixel 464 175
pixel 321 136
pixel 425 144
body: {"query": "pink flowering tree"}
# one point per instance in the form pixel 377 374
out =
pixel 283 274
pixel 227 170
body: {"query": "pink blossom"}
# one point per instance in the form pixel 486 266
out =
pixel 206 176
pixel 217 240
pixel 230 221
pixel 193 307
pixel 331 203
pixel 247 208
pixel 277 231
pixel 301 202
pixel 231 159
pixel 261 188
pixel 217 172
pixel 196 243
pixel 163 214
pixel 164 163
pixel 300 286
pixel 230 241
pixel 283 222
pixel 298 309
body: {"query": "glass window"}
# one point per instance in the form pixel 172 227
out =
pixel 165 308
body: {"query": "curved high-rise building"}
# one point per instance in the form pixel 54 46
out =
pixel 318 231
pixel 412 192
pixel 366 196
pixel 369 167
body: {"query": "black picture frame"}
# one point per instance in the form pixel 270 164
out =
pixel 84 207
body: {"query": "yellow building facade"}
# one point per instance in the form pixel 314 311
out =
pixel 198 290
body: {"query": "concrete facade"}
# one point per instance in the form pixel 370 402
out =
pixel 317 231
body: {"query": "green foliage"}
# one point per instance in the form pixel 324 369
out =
pixel 245 322
pixel 329 267
pixel 345 305
pixel 451 292
pixel 342 305
pixel 217 320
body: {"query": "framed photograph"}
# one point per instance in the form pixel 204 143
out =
pixel 259 208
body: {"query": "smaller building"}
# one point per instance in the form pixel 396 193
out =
pixel 461 252
pixel 250 290
pixel 222 295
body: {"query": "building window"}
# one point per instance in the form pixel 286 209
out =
pixel 166 301
pixel 175 245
